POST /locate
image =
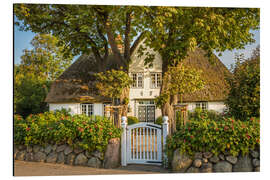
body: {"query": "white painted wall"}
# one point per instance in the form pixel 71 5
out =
pixel 218 106
pixel 76 108
pixel 146 92
pixel 98 109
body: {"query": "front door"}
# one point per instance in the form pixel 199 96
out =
pixel 146 113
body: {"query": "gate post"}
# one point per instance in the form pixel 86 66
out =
pixel 123 141
pixel 165 128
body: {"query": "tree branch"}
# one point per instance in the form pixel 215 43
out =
pixel 105 42
pixel 137 41
pixel 127 39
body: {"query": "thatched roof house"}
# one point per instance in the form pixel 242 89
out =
pixel 75 88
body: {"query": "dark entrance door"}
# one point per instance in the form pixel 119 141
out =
pixel 146 113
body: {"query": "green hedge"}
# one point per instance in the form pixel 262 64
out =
pixel 159 121
pixel 132 120
pixel 226 135
pixel 89 133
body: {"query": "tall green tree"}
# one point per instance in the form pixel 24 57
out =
pixel 97 30
pixel 33 76
pixel 180 80
pixel 176 31
pixel 243 100
pixel 47 59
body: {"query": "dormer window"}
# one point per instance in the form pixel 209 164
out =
pixel 137 80
pixel 155 80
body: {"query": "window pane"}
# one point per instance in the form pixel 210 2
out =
pixel 158 79
pixel 83 109
pixel 198 105
pixel 134 79
pixel 87 109
pixel 140 80
pixel 153 80
pixel 204 105
pixel 90 109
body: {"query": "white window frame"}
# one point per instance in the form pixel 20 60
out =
pixel 155 84
pixel 202 104
pixel 135 78
pixel 89 109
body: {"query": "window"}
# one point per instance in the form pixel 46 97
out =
pixel 137 80
pixel 146 102
pixel 155 80
pixel 87 109
pixel 202 105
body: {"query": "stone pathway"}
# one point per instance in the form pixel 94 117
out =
pixel 22 168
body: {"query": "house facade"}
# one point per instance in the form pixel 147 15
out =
pixel 74 91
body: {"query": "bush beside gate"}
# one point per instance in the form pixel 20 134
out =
pixel 88 133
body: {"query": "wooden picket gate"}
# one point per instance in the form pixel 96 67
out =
pixel 142 143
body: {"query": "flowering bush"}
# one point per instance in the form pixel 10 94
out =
pixel 198 114
pixel 225 135
pixel 89 133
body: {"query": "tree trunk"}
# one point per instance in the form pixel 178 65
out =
pixel 168 109
pixel 124 96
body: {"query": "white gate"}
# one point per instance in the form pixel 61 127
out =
pixel 142 143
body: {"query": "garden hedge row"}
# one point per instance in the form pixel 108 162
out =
pixel 88 133
pixel 225 135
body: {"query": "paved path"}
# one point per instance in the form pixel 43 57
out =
pixel 22 168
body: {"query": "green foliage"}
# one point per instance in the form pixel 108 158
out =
pixel 175 31
pixel 132 120
pixel 84 29
pixel 243 100
pixel 226 135
pixel 111 83
pixel 33 76
pixel 61 127
pixel 29 93
pixel 161 99
pixel 199 114
pixel 159 120
pixel 46 60
pixel 172 31
pixel 183 79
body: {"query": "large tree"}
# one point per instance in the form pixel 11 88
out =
pixel 96 30
pixel 46 59
pixel 243 100
pixel 176 31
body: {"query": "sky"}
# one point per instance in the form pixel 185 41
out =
pixel 22 41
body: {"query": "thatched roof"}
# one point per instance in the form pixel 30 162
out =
pixel 76 84
pixel 216 88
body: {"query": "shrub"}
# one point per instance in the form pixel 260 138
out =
pixel 60 127
pixel 198 114
pixel 226 135
pixel 243 99
pixel 132 120
pixel 159 120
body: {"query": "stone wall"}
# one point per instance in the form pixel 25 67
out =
pixel 207 162
pixel 64 154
